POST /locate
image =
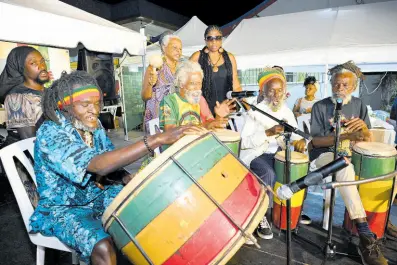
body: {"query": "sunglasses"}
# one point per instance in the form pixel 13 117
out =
pixel 211 38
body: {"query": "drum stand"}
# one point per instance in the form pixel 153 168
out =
pixel 288 130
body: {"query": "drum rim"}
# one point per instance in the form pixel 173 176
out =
pixel 358 146
pixel 277 157
pixel 232 136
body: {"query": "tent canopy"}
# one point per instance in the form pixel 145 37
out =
pixel 362 33
pixel 54 23
pixel 191 34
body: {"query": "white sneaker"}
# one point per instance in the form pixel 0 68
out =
pixel 264 229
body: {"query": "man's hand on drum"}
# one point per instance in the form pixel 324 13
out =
pixel 218 123
pixel 355 124
pixel 225 108
pixel 171 135
pixel 299 145
pixel 275 130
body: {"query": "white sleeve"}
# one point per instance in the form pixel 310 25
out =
pixel 253 134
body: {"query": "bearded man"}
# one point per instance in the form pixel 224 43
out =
pixel 21 88
pixel 356 124
pixel 259 137
pixel 73 159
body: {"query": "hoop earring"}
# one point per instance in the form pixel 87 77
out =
pixel 206 50
pixel 221 50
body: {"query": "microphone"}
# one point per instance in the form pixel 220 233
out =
pixel 339 103
pixel 286 191
pixel 241 94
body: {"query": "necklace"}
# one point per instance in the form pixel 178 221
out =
pixel 214 65
pixel 88 138
pixel 172 68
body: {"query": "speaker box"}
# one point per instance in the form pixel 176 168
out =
pixel 100 66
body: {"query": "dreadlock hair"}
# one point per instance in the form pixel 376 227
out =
pixel 310 80
pixel 62 88
pixel 349 66
pixel 204 61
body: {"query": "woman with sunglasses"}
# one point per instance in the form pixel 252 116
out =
pixel 219 67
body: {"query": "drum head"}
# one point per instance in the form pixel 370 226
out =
pixel 296 157
pixel 227 135
pixel 375 149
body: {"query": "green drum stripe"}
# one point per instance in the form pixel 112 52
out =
pixel 373 166
pixel 233 146
pixel 166 187
pixel 297 171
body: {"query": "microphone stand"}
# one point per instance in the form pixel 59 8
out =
pixel 288 130
pixel 330 247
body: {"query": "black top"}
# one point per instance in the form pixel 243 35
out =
pixel 216 84
pixel 219 87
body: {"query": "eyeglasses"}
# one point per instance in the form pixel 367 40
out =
pixel 211 38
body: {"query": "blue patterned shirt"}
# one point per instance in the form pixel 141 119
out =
pixel 61 162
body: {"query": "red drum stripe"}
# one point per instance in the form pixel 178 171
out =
pixel 295 213
pixel 205 245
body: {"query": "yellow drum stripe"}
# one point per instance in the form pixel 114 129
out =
pixel 174 226
pixel 375 196
pixel 296 200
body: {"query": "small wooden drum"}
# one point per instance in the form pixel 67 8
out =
pixel 299 168
pixel 371 159
pixel 231 139
pixel 165 215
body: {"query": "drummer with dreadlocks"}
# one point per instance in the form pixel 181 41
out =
pixel 219 67
pixel 73 159
pixel 356 124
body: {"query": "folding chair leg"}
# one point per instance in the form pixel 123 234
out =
pixel 75 259
pixel 40 255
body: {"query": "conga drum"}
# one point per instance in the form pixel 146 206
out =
pixel 371 159
pixel 231 139
pixel 299 168
pixel 166 213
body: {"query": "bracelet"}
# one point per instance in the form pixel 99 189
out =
pixel 151 151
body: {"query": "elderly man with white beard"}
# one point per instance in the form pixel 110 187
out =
pixel 356 124
pixel 259 137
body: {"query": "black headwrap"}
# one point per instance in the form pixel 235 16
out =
pixel 12 74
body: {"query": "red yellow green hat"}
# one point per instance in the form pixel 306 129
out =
pixel 79 94
pixel 268 74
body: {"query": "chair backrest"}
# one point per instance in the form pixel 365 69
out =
pixel 154 127
pixel 7 155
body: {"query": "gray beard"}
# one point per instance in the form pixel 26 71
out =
pixel 273 107
pixel 346 100
pixel 81 126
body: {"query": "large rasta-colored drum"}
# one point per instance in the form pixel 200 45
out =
pixel 371 159
pixel 172 211
pixel 299 168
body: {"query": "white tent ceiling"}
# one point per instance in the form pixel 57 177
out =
pixel 363 33
pixel 191 34
pixel 54 23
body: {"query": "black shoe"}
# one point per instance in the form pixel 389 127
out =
pixel 305 220
pixel 264 229
pixel 369 250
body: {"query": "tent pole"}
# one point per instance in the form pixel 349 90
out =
pixel 325 81
pixel 123 103
pixel 142 31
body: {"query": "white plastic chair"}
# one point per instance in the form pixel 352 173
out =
pixel 154 127
pixel 7 155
